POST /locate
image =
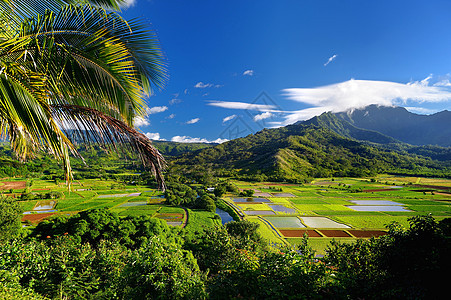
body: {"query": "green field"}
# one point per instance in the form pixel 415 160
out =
pixel 326 198
pixel 321 198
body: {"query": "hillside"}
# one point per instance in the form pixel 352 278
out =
pixel 346 129
pixel 403 125
pixel 175 148
pixel 301 151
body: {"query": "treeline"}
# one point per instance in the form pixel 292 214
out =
pixel 98 255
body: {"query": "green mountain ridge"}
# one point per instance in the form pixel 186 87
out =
pixel 306 150
pixel 402 125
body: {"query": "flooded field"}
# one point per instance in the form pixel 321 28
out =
pixel 322 222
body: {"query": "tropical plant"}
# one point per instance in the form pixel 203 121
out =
pixel 75 71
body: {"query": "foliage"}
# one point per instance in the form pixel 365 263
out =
pixel 74 63
pixel 162 271
pixel 10 214
pixel 93 226
pixel 406 263
pixel 61 267
pixel 246 193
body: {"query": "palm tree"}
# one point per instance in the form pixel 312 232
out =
pixel 73 66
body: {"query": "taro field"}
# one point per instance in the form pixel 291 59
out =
pixel 126 200
pixel 339 208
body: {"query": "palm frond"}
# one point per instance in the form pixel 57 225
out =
pixel 88 51
pixel 92 126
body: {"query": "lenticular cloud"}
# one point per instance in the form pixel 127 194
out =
pixel 354 94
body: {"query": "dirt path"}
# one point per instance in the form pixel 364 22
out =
pixel 186 218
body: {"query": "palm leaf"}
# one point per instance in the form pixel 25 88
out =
pixel 92 126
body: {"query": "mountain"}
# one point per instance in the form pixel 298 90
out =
pixel 176 148
pixel 346 129
pixel 402 125
pixel 304 150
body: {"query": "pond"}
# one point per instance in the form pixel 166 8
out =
pixel 282 208
pixel 259 212
pixel 375 202
pixel 250 200
pixel 285 222
pixel 377 208
pixel 322 222
pixel 225 217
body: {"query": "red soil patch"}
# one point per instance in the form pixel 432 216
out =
pixel 367 233
pixel 36 218
pixel 432 186
pixel 335 233
pixel 300 233
pixel 16 185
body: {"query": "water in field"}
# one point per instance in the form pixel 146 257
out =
pixel 174 223
pixel 282 208
pixel 283 195
pixel 321 222
pixel 375 202
pixel 250 200
pixel 129 204
pixel 259 212
pixel 285 222
pixel 377 208
pixel 225 217
pixel 44 205
pixel 119 195
pixel 40 211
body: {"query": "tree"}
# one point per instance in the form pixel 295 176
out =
pixel 72 71
pixel 10 214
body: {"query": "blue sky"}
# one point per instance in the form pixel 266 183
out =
pixel 236 67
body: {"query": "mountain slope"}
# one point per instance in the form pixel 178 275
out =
pixel 403 125
pixel 346 129
pixel 300 151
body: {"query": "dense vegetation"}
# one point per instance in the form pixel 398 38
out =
pixel 97 255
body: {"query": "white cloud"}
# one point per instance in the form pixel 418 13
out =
pixel 242 105
pixel 128 3
pixel 153 136
pixel 248 73
pixel 331 59
pixel 174 101
pixel 421 110
pixel 263 116
pixel 193 121
pixel 444 82
pixel 188 139
pixel 140 121
pixel 186 92
pixel 228 118
pixel 171 116
pixel 201 85
pixel 360 93
pixel 156 109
